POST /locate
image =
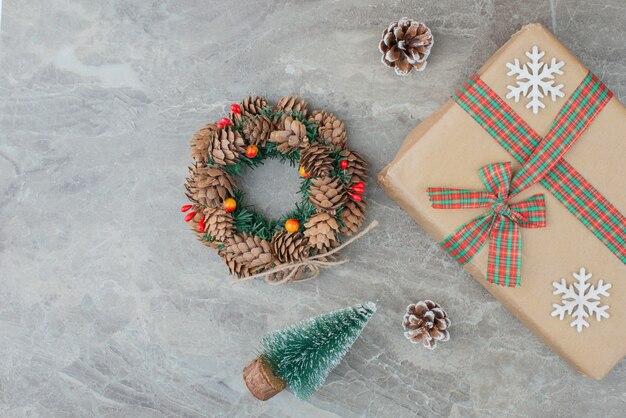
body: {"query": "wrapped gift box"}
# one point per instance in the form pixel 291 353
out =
pixel 449 148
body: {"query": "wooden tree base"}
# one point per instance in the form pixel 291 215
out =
pixel 261 381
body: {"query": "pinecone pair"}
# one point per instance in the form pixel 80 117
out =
pixel 292 137
pixel 328 195
pixel 222 145
pixel 331 130
pixel 246 255
pixel 209 186
pixel 426 322
pixel 406 45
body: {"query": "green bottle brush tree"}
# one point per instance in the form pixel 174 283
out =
pixel 302 355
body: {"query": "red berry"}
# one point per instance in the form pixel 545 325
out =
pixel 185 208
pixel 219 125
pixel 235 108
pixel 355 197
pixel 344 164
pixel 225 122
pixel 200 227
pixel 358 187
pixel 189 216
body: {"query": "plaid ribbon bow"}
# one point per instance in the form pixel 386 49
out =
pixel 543 162
pixel 501 224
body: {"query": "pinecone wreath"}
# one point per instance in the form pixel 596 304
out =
pixel 426 322
pixel 406 45
pixel 333 183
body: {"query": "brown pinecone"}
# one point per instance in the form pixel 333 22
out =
pixel 257 130
pixel 321 231
pixel 292 137
pixel 246 255
pixel 425 321
pixel 201 142
pixel 316 160
pixel 209 186
pixel 253 106
pixel 352 216
pixel 327 194
pixel 357 167
pixel 227 146
pixel 406 45
pixel 289 247
pixel 220 225
pixel 331 130
pixel 201 235
pixel 290 104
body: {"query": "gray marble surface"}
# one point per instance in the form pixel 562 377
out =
pixel 109 308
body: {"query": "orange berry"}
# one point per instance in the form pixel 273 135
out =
pixel 230 204
pixel 252 151
pixel 304 173
pixel 291 225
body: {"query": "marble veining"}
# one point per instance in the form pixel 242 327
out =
pixel 109 308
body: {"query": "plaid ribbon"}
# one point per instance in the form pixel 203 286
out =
pixel 542 158
pixel 501 224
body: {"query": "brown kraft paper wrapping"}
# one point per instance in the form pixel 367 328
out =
pixel 449 148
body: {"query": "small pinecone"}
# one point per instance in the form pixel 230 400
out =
pixel 290 104
pixel 247 254
pixel 327 194
pixel 352 216
pixel 357 167
pixel 321 231
pixel 257 130
pixel 292 137
pixel 425 321
pixel 220 225
pixel 227 147
pixel 406 45
pixel 331 130
pixel 253 106
pixel 316 160
pixel 289 247
pixel 201 142
pixel 209 186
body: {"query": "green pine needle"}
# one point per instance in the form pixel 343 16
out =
pixel 305 353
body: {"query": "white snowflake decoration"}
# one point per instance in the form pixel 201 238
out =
pixel 578 302
pixel 535 80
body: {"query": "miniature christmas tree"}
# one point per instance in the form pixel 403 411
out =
pixel 302 355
